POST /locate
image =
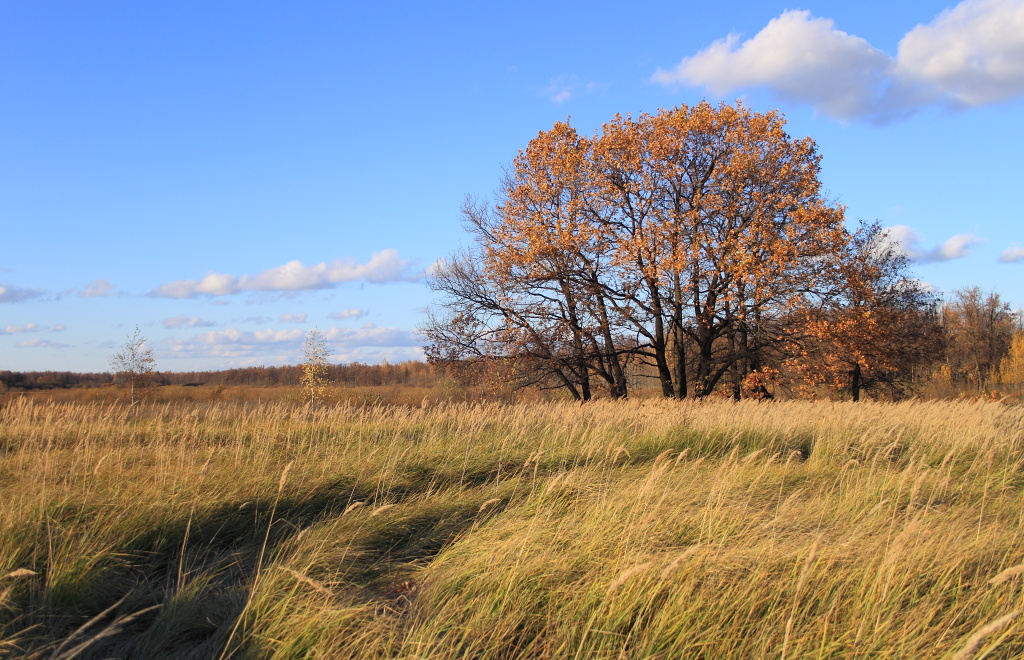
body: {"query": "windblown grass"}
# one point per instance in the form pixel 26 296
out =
pixel 612 530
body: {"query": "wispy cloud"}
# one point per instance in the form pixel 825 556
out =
pixel 18 329
pixel 968 56
pixel 371 335
pixel 294 318
pixel 1012 255
pixel 373 355
pixel 12 329
pixel 271 345
pixel 97 289
pixel 233 343
pixel 383 266
pixel 256 337
pixel 354 313
pixel 907 240
pixel 565 88
pixel 41 343
pixel 257 320
pixel 11 293
pixel 182 321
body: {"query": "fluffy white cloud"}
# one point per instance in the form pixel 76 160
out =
pixel 294 318
pixel 11 293
pixel 354 313
pixel 1012 254
pixel 956 247
pixel 970 55
pixel 907 240
pixel 801 58
pixel 182 321
pixel 97 289
pixel 383 266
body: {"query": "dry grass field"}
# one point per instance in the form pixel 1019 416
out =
pixel 642 529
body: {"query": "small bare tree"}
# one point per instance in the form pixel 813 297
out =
pixel 134 360
pixel 315 356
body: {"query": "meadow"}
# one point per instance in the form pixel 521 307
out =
pixel 639 529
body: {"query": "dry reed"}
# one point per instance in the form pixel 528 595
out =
pixel 613 530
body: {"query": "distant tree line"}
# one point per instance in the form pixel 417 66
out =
pixel 355 374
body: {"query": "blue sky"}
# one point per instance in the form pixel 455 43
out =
pixel 228 175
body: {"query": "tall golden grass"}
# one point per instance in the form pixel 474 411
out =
pixel 646 529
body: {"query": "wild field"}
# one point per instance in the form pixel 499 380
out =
pixel 642 529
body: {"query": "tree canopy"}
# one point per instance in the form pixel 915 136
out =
pixel 697 241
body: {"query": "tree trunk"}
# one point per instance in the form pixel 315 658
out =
pixel 618 388
pixel 659 343
pixel 737 389
pixel 678 347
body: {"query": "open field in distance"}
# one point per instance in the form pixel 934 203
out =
pixel 640 529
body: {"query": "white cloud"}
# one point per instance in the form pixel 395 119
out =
pixel 1012 254
pixel 258 320
pixel 907 240
pixel 383 266
pixel 371 335
pixel 434 267
pixel 374 355
pixel 801 58
pixel 12 329
pixel 40 343
pixel 269 345
pixel 973 53
pixel 10 293
pixel 97 289
pixel 255 338
pixel 970 55
pixel 354 313
pixel 233 343
pixel 294 318
pixel 925 285
pixel 17 329
pixel 182 321
pixel 566 88
pixel 956 247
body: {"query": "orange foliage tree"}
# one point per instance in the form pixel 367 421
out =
pixel 875 328
pixel 716 217
pixel 682 240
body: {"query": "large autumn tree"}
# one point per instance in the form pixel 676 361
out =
pixel 717 221
pixel 679 239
